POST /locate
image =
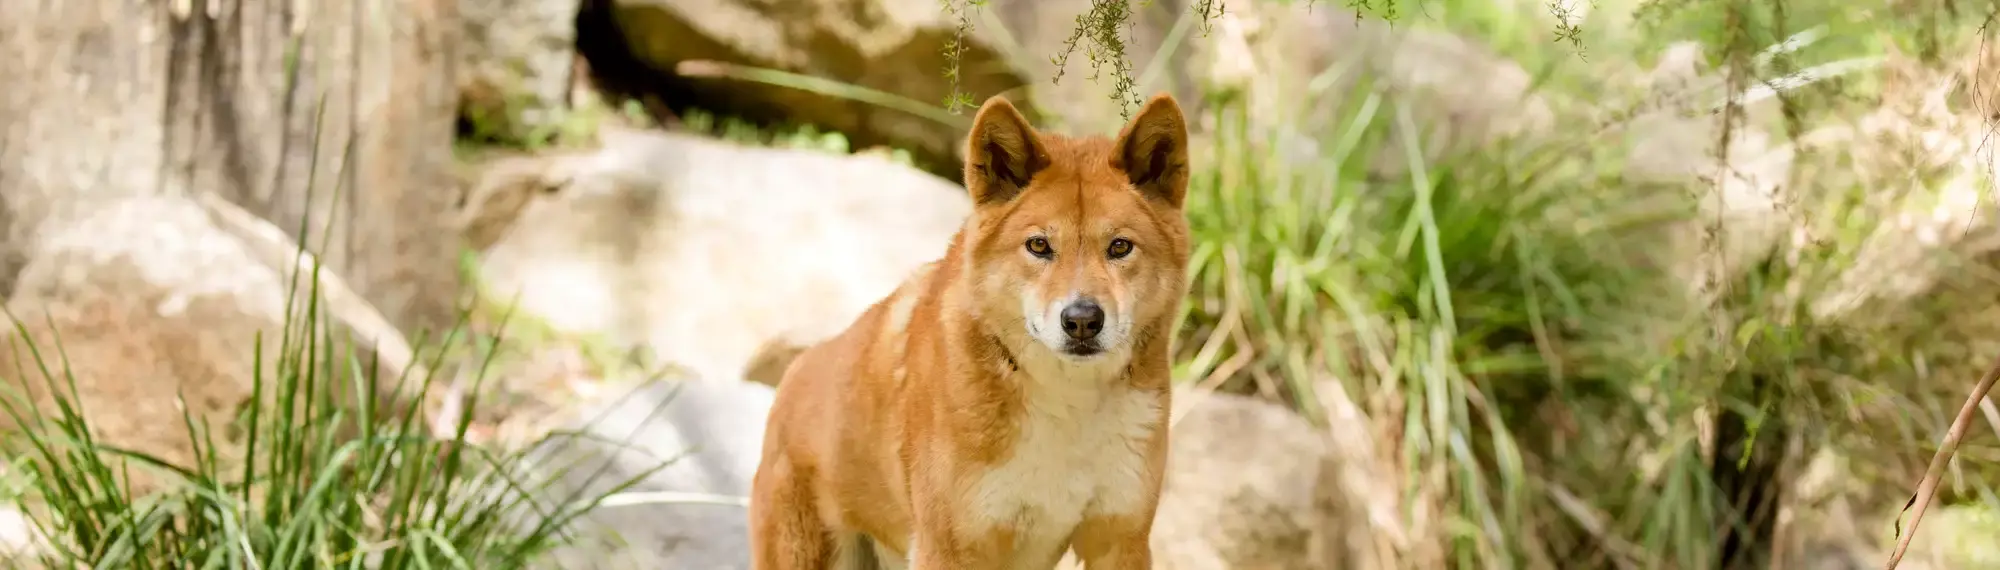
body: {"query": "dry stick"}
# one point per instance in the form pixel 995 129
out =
pixel 1927 489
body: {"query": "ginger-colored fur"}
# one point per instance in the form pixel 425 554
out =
pixel 1008 402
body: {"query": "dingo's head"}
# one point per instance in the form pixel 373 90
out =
pixel 1078 244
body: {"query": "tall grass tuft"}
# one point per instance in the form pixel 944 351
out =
pixel 328 479
pixel 1458 300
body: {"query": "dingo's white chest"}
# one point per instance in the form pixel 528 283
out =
pixel 1080 451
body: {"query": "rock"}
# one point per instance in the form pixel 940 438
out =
pixel 1838 521
pixel 151 303
pixel 1250 484
pixel 114 98
pixel 1244 489
pixel 1466 94
pixel 20 542
pixel 157 298
pixel 1461 93
pixel 895 46
pixel 515 65
pixel 713 434
pixel 710 254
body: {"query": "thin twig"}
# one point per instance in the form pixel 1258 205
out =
pixel 1927 489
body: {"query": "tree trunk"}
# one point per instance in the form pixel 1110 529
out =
pixel 109 98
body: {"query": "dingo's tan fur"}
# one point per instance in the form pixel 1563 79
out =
pixel 1008 402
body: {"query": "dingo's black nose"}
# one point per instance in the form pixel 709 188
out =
pixel 1082 320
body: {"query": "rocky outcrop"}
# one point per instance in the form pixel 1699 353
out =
pixel 709 254
pixel 108 98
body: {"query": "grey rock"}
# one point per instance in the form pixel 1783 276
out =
pixel 709 254
pixel 710 435
pixel 150 302
pixel 1243 489
pixel 1250 484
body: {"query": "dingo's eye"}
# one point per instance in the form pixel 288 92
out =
pixel 1120 248
pixel 1040 247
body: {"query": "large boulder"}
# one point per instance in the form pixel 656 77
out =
pixel 710 254
pixel 1242 489
pixel 150 301
pixel 895 46
pixel 1246 488
pixel 150 304
pixel 113 98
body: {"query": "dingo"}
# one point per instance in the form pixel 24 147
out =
pixel 1009 401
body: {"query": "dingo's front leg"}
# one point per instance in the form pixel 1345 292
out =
pixel 1114 543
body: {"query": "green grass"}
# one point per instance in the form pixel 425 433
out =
pixel 1484 294
pixel 1464 292
pixel 805 136
pixel 328 480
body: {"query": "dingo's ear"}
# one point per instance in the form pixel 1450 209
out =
pixel 1002 153
pixel 1153 153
